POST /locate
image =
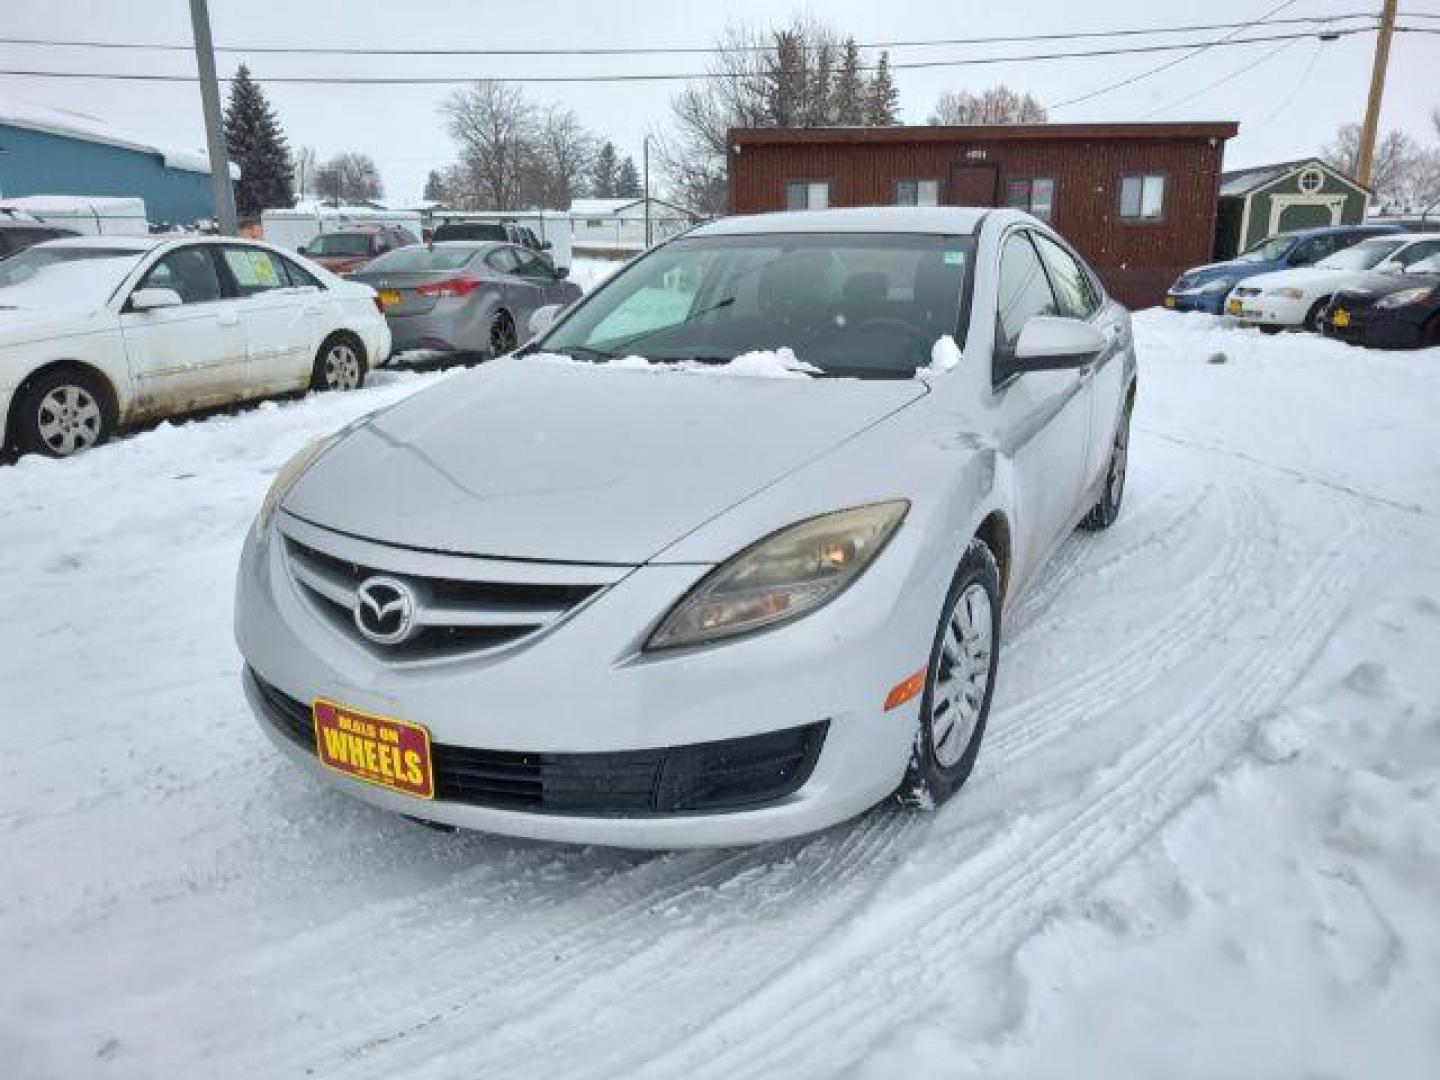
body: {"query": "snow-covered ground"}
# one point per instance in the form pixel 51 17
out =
pixel 1201 841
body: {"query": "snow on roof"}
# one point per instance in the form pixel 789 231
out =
pixel 312 208
pixel 599 207
pixel 76 204
pixel 77 125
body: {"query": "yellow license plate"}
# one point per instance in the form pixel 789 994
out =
pixel 1169 301
pixel 379 750
pixel 390 298
pixel 1340 317
pixel 1234 307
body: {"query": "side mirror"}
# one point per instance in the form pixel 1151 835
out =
pixel 301 250
pixel 1049 343
pixel 154 299
pixel 542 318
pixel 562 272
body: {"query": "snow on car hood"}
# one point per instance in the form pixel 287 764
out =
pixel 578 463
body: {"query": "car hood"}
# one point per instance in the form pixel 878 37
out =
pixel 21 325
pixel 1299 277
pixel 528 459
pixel 1211 271
pixel 1376 285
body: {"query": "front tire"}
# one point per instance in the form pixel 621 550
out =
pixel 63 413
pixel 1103 514
pixel 958 683
pixel 1315 317
pixel 340 364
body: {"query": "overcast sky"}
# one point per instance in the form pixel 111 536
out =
pixel 1288 105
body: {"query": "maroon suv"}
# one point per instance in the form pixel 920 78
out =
pixel 350 249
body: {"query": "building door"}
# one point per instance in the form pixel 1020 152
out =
pixel 974 185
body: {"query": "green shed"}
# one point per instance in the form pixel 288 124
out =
pixel 1269 199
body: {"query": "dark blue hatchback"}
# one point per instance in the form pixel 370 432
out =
pixel 1203 288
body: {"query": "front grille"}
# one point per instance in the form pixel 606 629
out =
pixel 453 616
pixel 731 774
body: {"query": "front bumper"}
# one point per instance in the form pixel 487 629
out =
pixel 455 327
pixel 580 687
pixel 1268 310
pixel 1212 303
pixel 1375 328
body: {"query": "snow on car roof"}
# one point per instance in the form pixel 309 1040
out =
pixel 878 219
pixel 117 243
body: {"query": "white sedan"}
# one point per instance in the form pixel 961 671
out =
pixel 1296 299
pixel 99 332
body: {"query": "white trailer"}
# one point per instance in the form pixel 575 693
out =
pixel 89 215
pixel 296 227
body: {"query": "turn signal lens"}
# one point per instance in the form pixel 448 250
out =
pixel 786 575
pixel 905 691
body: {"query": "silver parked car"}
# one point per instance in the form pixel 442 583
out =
pixel 464 295
pixel 621 588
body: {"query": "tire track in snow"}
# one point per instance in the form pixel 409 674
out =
pixel 1004 892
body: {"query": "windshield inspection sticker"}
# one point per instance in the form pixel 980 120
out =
pixel 954 258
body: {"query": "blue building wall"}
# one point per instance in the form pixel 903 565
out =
pixel 41 163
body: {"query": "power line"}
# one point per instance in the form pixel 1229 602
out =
pixel 321 50
pixel 979 61
pixel 1294 91
pixel 1244 69
pixel 1130 80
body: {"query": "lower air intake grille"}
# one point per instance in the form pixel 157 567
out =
pixel 731 774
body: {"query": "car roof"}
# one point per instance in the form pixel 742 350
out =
pixel 934 220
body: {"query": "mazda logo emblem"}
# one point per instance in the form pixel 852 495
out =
pixel 385 612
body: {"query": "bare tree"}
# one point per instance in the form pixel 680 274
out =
pixel 998 105
pixel 1396 169
pixel 560 155
pixel 306 163
pixel 349 177
pixel 494 125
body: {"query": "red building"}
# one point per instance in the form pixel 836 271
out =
pixel 1138 200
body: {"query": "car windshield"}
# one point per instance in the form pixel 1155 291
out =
pixel 1361 256
pixel 420 259
pixel 1272 250
pixel 470 230
pixel 867 306
pixel 340 244
pixel 64 277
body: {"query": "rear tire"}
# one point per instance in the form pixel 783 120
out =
pixel 959 682
pixel 340 364
pixel 62 413
pixel 1315 317
pixel 1103 514
pixel 503 338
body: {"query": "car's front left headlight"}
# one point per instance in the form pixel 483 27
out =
pixel 288 473
pixel 788 574
pixel 1287 293
pixel 1218 285
pixel 1405 296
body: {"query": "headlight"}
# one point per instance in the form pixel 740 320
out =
pixel 287 475
pixel 1288 294
pixel 788 574
pixel 1218 285
pixel 1405 296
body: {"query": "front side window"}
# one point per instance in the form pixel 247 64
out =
pixel 1313 250
pixel 532 266
pixel 1142 198
pixel 807 195
pixel 1033 194
pixel 190 272
pixel 255 270
pixel 1073 287
pixel 503 260
pixel 1024 289
pixel 862 306
pixel 917 193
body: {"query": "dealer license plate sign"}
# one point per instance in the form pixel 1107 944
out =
pixel 1234 307
pixel 376 749
pixel 1341 317
pixel 1169 301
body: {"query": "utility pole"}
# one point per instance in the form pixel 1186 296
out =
pixel 214 128
pixel 646 156
pixel 1366 156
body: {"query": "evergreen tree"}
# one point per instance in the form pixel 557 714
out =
pixel 849 92
pixel 256 143
pixel 435 187
pixel 605 174
pixel 627 180
pixel 882 106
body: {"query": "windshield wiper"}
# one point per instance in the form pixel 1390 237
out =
pixel 625 343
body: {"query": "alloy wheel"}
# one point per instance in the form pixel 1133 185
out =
pixel 962 676
pixel 502 334
pixel 69 420
pixel 342 367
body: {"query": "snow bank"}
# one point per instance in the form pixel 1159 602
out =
pixel 944 355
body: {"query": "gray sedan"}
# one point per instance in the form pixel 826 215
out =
pixel 464 296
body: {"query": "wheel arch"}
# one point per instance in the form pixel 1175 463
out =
pixel 994 532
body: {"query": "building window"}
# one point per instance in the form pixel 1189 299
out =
pixel 1142 198
pixel 1033 194
pixel 1311 181
pixel 917 193
pixel 807 195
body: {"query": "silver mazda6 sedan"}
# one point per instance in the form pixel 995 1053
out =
pixel 721 557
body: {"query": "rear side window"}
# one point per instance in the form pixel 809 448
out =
pixel 1073 287
pixel 1024 289
pixel 189 272
pixel 255 270
pixel 503 261
pixel 298 276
